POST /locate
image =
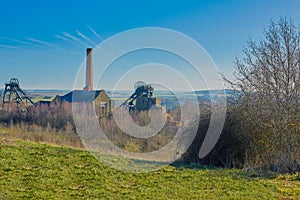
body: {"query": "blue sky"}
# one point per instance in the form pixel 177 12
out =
pixel 43 42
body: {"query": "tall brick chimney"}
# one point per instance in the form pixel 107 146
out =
pixel 89 70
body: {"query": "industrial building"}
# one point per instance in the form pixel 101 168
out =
pixel 88 94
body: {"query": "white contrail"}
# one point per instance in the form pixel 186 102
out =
pixel 98 36
pixel 63 38
pixel 19 41
pixel 95 33
pixel 68 40
pixel 74 39
pixel 8 46
pixel 41 42
pixel 97 46
pixel 86 38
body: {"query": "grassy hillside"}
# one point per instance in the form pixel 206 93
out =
pixel 39 171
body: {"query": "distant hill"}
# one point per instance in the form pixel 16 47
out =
pixel 168 98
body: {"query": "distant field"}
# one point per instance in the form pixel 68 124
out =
pixel 39 171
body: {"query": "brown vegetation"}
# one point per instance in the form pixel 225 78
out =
pixel 267 111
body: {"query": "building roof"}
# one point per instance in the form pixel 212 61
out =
pixel 81 96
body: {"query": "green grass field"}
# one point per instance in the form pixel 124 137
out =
pixel 40 171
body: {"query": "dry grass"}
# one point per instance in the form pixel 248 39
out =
pixel 38 134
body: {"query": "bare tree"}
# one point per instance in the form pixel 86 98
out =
pixel 268 79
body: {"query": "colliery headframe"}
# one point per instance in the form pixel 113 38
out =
pixel 13 95
pixel 142 99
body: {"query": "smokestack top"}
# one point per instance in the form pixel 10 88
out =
pixel 89 70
